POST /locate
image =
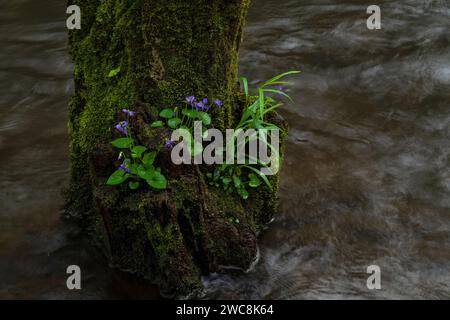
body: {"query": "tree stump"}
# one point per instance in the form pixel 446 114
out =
pixel 166 50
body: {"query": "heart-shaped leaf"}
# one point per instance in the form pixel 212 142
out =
pixel 167 113
pixel 254 180
pixel 122 143
pixel 174 122
pixel 145 173
pixel 133 167
pixel 190 113
pixel 117 177
pixel 137 151
pixel 149 158
pixel 206 118
pixel 157 124
pixel 157 180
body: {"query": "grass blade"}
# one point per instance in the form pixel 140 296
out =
pixel 245 84
pixel 278 92
pixel 275 79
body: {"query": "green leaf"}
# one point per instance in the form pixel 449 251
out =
pixel 250 110
pixel 157 124
pixel 122 143
pixel 226 181
pixel 254 180
pixel 217 173
pixel 279 83
pixel 279 92
pixel 127 163
pixel 260 174
pixel 237 181
pixel 114 72
pixel 117 177
pixel 245 83
pixel 149 158
pixel 174 122
pixel 190 113
pixel 243 193
pixel 261 102
pixel 275 79
pixel 133 168
pixel 145 173
pixel 271 126
pixel 137 151
pixel 206 118
pixel 167 113
pixel 133 185
pixel 272 108
pixel 157 181
pixel 257 124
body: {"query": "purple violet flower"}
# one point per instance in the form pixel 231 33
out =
pixel 199 106
pixel 169 144
pixel 124 167
pixel 122 127
pixel 130 113
pixel 218 103
pixel 205 105
pixel 191 100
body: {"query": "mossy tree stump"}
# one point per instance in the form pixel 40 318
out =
pixel 166 50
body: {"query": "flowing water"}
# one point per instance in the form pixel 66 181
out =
pixel 366 179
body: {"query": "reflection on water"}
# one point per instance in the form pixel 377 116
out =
pixel 366 178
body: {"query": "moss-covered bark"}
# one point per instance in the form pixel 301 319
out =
pixel 166 50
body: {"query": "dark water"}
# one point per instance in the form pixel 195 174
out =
pixel 367 172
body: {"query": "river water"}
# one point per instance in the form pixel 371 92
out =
pixel 366 179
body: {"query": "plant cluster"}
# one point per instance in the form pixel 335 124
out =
pixel 138 161
pixel 238 178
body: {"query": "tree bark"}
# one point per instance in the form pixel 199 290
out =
pixel 166 50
